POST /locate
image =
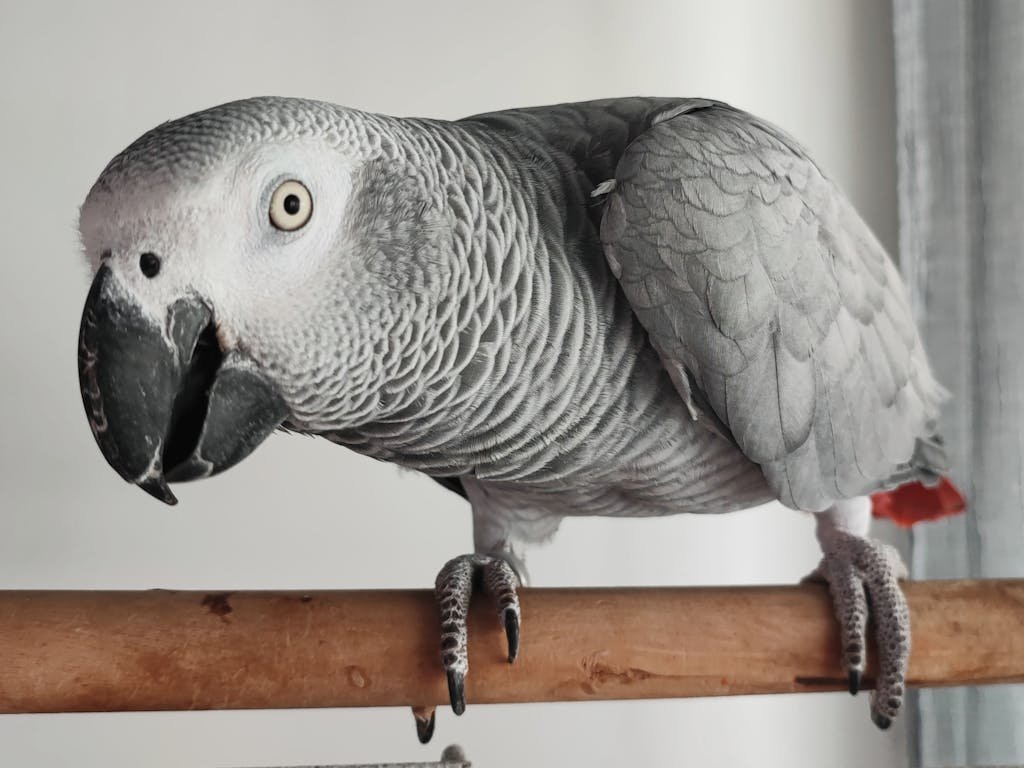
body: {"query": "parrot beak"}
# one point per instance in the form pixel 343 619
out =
pixel 167 404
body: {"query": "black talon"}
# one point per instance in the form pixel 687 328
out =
pixel 854 681
pixel 425 718
pixel 457 691
pixel 512 633
pixel 882 721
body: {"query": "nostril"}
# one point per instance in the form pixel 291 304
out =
pixel 149 263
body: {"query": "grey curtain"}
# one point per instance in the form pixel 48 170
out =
pixel 960 118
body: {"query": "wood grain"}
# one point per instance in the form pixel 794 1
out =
pixel 116 651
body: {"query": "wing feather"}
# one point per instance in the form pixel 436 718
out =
pixel 772 302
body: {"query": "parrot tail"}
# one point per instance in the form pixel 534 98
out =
pixel 914 502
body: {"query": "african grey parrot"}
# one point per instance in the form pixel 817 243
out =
pixel 627 307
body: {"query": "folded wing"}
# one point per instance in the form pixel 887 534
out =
pixel 773 304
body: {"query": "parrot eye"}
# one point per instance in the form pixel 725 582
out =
pixel 291 206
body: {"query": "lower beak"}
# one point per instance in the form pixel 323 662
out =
pixel 165 403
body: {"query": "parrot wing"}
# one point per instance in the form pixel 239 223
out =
pixel 772 304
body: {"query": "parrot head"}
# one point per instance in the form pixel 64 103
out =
pixel 254 265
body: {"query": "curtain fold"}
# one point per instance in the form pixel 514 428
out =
pixel 960 146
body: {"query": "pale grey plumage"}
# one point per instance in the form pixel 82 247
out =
pixel 473 327
pixel 749 270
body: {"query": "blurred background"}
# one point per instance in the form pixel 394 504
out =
pixel 81 81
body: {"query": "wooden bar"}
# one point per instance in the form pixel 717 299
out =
pixel 77 651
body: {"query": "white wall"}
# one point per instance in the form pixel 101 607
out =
pixel 78 83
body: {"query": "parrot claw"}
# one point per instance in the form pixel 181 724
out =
pixel 862 573
pixel 457 691
pixel 512 633
pixel 425 719
pixel 855 675
pixel 453 588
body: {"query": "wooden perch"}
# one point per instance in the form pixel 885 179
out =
pixel 116 651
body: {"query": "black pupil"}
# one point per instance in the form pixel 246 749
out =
pixel 292 204
pixel 149 263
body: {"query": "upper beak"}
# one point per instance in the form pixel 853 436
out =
pixel 166 403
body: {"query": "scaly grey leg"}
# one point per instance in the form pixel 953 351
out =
pixel 453 588
pixel 863 576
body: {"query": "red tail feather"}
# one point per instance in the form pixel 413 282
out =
pixel 914 502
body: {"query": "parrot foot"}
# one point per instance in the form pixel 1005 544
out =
pixel 863 573
pixel 453 589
